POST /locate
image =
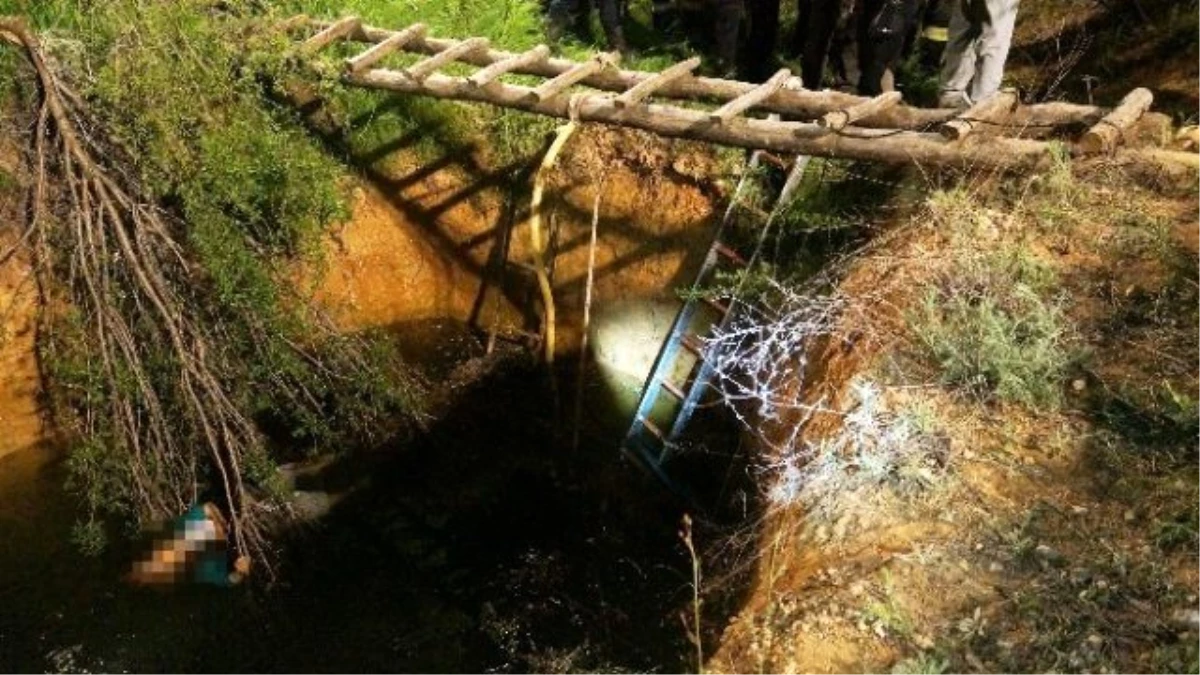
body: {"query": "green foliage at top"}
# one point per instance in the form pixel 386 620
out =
pixel 171 86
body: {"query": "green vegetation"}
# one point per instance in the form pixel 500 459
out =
pixel 989 328
pixel 173 91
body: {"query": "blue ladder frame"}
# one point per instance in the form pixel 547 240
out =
pixel 646 444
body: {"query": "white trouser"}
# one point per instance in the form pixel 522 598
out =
pixel 980 34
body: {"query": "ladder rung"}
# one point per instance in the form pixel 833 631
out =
pixel 673 389
pixel 486 76
pixel 640 91
pixel 555 86
pixel 339 29
pixel 775 160
pixel 423 69
pixel 715 304
pixel 755 210
pixel 394 42
pixel 729 253
pixel 693 345
pixel 751 98
pixel 291 24
pixel 652 428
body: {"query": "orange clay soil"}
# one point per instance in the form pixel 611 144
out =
pixel 421 237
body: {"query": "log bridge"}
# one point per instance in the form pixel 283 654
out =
pixel 996 133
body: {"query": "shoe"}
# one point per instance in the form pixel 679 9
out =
pixel 954 99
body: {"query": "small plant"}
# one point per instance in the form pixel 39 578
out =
pixel 886 615
pixel 925 663
pixel 992 326
pixel 693 627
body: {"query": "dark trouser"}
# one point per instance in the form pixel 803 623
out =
pixel 760 40
pixel 566 12
pixel 815 23
pixel 727 23
pixel 882 31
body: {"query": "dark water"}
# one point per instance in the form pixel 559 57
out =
pixel 486 544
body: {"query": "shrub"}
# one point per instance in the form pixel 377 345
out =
pixel 992 325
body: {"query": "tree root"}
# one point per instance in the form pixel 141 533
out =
pixel 130 281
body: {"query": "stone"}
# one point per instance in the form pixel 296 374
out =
pixel 1187 617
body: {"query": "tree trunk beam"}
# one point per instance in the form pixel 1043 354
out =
pixel 338 30
pixel 751 98
pixel 491 73
pixel 395 42
pixel 1107 133
pixel 840 119
pixel 569 78
pixel 642 90
pixel 794 138
pixel 790 101
pixel 990 110
pixel 423 69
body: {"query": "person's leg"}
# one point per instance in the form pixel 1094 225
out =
pixel 800 30
pixel 822 21
pixel 728 21
pixel 560 14
pixel 610 20
pixel 870 64
pixel 887 35
pixel 662 15
pixel 958 67
pixel 994 41
pixel 761 38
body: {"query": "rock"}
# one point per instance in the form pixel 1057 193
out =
pixel 1048 554
pixel 1095 641
pixel 1189 618
pixel 1079 385
pixel 995 567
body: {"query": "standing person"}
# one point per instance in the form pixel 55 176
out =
pixel 761 38
pixel 815 24
pixel 883 29
pixel 562 14
pixel 980 35
pixel 727 23
pixel 935 31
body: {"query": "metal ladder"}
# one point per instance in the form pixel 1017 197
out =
pixel 680 372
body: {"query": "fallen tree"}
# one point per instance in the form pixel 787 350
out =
pixel 147 361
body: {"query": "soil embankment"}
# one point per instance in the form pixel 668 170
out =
pixel 20 409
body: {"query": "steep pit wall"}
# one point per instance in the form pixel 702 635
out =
pixel 419 246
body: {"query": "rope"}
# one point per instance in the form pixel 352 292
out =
pixel 573 105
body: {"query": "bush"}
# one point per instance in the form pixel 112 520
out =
pixel 992 326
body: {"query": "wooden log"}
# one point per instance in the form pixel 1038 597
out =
pixel 392 44
pixel 292 23
pixel 337 30
pixel 489 74
pixel 555 86
pixel 795 138
pixel 790 101
pixel 751 98
pixel 991 109
pixel 840 119
pixel 642 90
pixel 1106 133
pixel 423 69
